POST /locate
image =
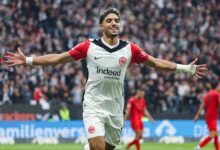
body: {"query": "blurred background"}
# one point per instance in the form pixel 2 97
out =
pixel 176 30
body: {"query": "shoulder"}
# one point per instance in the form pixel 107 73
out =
pixel 143 100
pixel 131 99
pixel 124 41
pixel 213 93
pixel 80 50
pixel 83 45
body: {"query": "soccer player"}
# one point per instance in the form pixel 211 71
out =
pixel 107 61
pixel 136 108
pixel 210 103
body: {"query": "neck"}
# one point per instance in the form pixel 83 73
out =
pixel 137 97
pixel 110 41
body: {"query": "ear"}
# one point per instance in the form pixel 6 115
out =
pixel 101 27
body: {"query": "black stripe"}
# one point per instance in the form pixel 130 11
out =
pixel 85 72
pixel 110 50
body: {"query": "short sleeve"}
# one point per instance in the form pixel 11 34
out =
pixel 138 55
pixel 80 51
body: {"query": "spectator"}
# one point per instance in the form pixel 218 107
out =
pixel 64 112
pixel 6 95
pixel 173 30
pixel 38 94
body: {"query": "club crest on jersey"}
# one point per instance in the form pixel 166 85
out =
pixel 122 61
pixel 91 129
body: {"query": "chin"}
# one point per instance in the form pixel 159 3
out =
pixel 114 34
pixel 111 35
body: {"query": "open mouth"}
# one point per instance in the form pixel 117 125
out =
pixel 114 29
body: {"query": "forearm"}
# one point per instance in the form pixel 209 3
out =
pixel 52 59
pixel 199 111
pixel 170 66
pixel 165 65
pixel 147 114
pixel 161 64
pixel 127 114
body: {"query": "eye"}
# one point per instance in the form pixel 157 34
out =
pixel 108 20
pixel 117 20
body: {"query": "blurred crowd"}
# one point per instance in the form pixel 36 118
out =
pixel 176 30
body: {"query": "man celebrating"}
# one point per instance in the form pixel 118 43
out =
pixel 136 108
pixel 210 103
pixel 107 61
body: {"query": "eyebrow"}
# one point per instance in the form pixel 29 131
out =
pixel 112 19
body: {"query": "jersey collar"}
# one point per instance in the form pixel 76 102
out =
pixel 119 46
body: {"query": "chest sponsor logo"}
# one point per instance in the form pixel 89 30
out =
pixel 107 71
pixel 122 61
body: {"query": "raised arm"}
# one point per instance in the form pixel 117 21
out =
pixel 76 53
pixel 50 59
pixel 197 70
pixel 140 56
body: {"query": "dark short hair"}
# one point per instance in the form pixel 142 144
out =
pixel 107 12
pixel 139 90
pixel 214 84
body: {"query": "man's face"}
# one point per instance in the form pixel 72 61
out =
pixel 110 25
pixel 140 94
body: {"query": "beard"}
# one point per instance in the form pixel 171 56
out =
pixel 110 35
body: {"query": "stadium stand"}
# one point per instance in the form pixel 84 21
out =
pixel 170 29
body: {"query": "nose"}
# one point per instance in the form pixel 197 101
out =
pixel 114 23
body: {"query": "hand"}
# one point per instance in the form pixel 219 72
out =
pixel 15 58
pixel 199 69
pixel 152 120
pixel 196 118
